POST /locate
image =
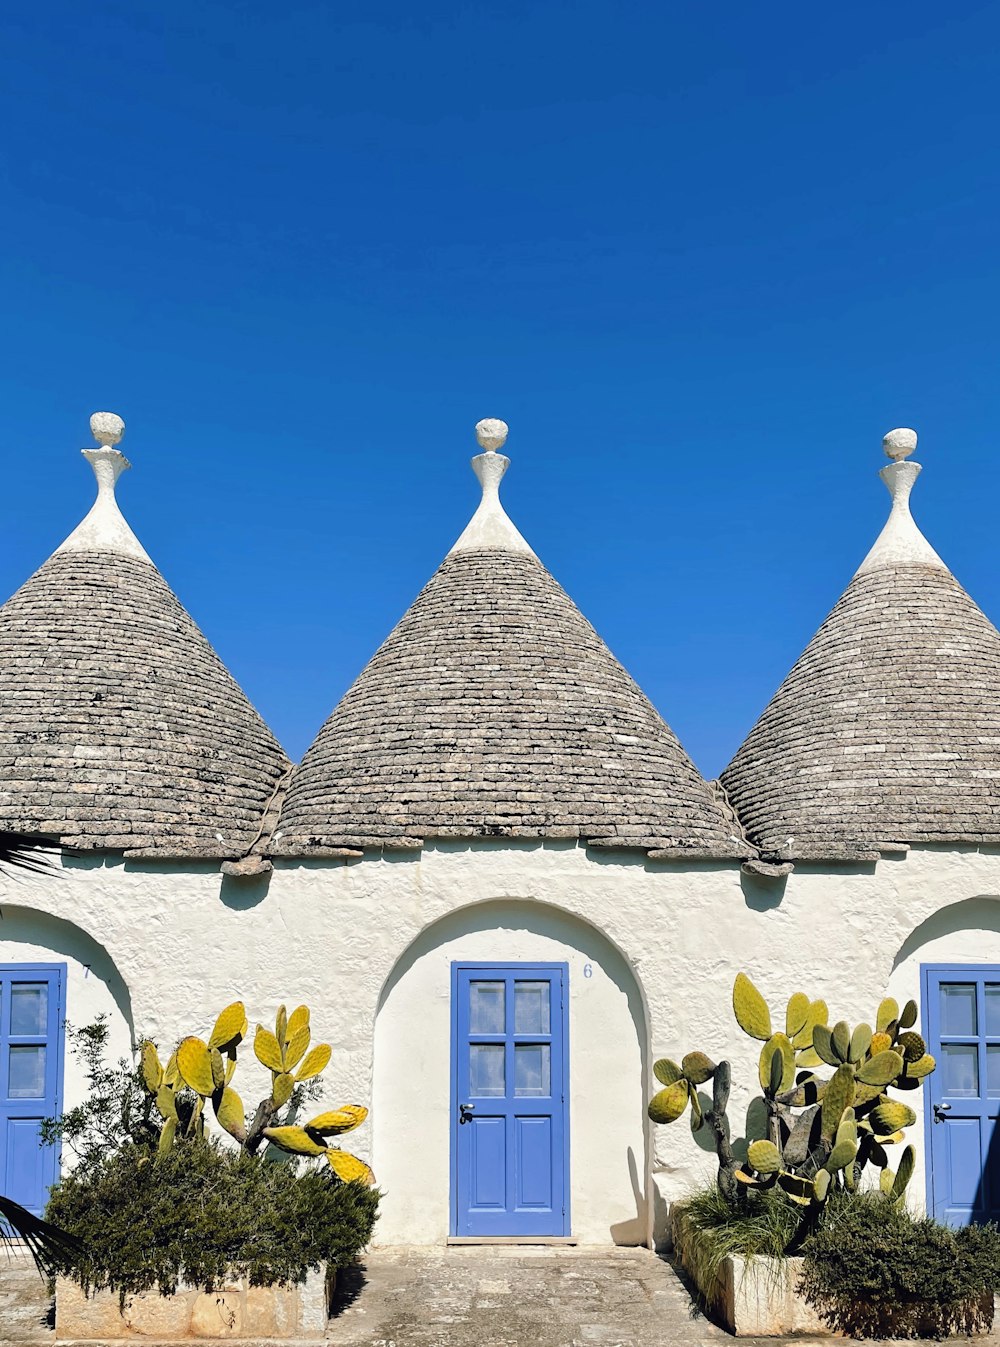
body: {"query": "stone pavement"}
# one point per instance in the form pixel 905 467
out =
pixel 493 1296
pixel 477 1296
pixel 482 1296
pixel 25 1304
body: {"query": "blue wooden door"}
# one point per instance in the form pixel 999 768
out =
pixel 962 1097
pixel 31 1043
pixel 510 1133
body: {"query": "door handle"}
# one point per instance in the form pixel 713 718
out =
pixel 941 1112
pixel 465 1112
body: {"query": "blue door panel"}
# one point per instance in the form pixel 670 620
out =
pixel 962 1148
pixel 31 1053
pixel 27 1168
pixel 962 1097
pixel 533 1155
pixel 510 1134
pixel 489 1164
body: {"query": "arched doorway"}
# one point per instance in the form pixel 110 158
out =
pixel 52 975
pixel 414 1115
pixel 950 964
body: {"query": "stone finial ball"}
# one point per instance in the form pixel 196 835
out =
pixel 106 428
pixel 491 433
pixel 899 444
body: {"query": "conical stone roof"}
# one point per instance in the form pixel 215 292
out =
pixel 120 727
pixel 887 730
pixel 495 710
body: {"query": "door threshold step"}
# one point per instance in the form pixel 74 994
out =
pixel 511 1239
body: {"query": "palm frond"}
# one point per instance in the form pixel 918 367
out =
pixel 19 851
pixel 49 1246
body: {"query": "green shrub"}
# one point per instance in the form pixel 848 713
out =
pixel 204 1212
pixel 874 1270
pixel 115 1108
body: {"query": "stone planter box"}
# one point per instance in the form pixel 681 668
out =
pixel 755 1298
pixel 759 1298
pixel 234 1311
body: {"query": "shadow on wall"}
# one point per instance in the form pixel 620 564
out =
pixel 493 918
pixel 28 926
pixel 633 1231
pixel 972 914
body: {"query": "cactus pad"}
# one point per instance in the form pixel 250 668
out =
pixel 266 1049
pixel 919 1069
pixel 668 1105
pixel 171 1076
pixel 840 1040
pixel 296 1140
pixel 818 1014
pixel 230 1113
pixel 338 1121
pixel 698 1068
pixel 888 1013
pixel 776 1078
pixel 880 1070
pixel 666 1071
pixel 838 1097
pixel 861 1041
pixel 802 1138
pixel 912 1046
pixel 230 1027
pixel 908 1015
pixel 166 1104
pixel 750 1008
pixel 296 1047
pixel 823 1045
pixel 281 1090
pixel 167 1136
pixel 891 1116
pixel 349 1167
pixel 764 1156
pixel 317 1060
pixel 796 1013
pixel 903 1174
pixel 152 1071
pixel 194 1062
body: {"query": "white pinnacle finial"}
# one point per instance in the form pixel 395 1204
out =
pixel 491 434
pixel 105 528
pixel 489 529
pixel 899 444
pixel 900 543
pixel 106 428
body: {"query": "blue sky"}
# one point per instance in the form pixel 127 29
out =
pixel 700 257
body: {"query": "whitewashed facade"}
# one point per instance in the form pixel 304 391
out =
pixel 649 935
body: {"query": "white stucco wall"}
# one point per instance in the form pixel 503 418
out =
pixel 186 941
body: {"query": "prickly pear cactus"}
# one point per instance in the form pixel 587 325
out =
pixel 821 1132
pixel 202 1070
